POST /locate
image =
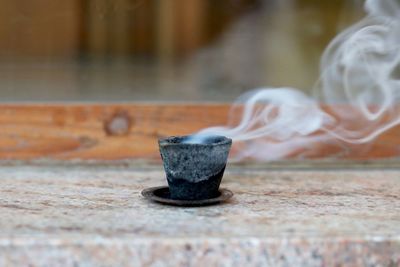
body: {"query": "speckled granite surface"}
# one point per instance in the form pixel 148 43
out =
pixel 75 216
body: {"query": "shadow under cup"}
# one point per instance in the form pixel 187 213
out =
pixel 194 170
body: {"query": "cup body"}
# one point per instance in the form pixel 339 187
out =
pixel 194 170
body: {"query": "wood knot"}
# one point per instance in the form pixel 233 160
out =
pixel 119 124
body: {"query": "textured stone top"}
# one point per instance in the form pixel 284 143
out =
pixel 96 216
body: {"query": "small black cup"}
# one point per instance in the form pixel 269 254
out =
pixel 194 170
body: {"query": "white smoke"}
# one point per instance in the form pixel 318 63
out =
pixel 359 80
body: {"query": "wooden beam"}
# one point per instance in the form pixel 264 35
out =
pixel 129 131
pixel 106 132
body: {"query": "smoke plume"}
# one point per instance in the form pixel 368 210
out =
pixel 359 82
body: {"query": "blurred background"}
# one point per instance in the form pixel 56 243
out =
pixel 162 50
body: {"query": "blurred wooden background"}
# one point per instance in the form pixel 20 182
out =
pixel 162 50
pixel 166 28
pixel 112 28
pixel 101 28
pixel 39 28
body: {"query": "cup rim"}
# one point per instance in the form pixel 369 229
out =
pixel 167 141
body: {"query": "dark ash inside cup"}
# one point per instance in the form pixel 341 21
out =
pixel 194 169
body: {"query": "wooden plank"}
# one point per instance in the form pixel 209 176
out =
pixel 130 131
pixel 97 21
pixel 165 30
pixel 120 24
pixel 142 30
pixel 190 29
pixel 107 132
pixel 39 29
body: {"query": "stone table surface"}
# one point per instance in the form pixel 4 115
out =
pixel 95 216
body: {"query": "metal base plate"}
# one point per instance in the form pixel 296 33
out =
pixel 161 194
